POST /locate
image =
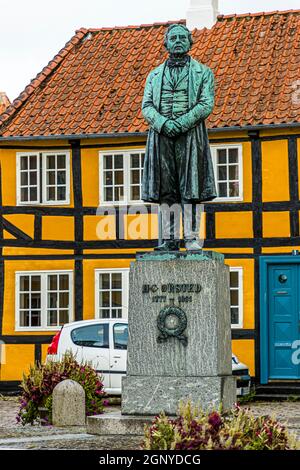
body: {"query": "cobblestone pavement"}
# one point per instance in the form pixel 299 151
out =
pixel 16 436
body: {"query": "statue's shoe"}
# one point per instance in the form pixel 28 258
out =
pixel 192 245
pixel 168 245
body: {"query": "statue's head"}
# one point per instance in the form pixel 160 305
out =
pixel 178 39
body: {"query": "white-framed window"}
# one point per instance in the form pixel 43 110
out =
pixel 121 176
pixel 228 169
pixel 236 297
pixel 111 293
pixel 44 299
pixel 43 177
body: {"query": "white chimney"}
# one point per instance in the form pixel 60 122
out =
pixel 202 14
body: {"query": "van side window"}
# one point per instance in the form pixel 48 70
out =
pixel 120 336
pixel 92 336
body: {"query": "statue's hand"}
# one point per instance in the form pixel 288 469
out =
pixel 171 128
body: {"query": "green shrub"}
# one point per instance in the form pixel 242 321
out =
pixel 237 429
pixel 37 387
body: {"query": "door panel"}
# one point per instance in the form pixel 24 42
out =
pixel 283 281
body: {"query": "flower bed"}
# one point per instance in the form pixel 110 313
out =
pixel 237 429
pixel 38 385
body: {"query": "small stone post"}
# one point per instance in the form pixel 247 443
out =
pixel 68 408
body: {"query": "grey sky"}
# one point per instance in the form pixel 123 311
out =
pixel 33 31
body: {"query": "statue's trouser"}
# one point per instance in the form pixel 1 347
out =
pixel 173 171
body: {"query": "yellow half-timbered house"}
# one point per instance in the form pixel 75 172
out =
pixel 71 155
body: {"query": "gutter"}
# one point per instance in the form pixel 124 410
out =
pixel 260 127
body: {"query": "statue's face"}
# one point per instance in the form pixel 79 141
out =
pixel 178 41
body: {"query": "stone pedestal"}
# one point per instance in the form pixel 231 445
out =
pixel 179 333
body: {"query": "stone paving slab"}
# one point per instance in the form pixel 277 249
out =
pixel 16 436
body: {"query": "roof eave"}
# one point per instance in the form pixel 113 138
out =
pixel 143 134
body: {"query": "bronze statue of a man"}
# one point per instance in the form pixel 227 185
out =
pixel 178 97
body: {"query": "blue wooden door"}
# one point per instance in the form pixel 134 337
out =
pixel 284 308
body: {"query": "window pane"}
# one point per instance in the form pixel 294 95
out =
pixel 95 336
pixel 61 177
pixel 61 193
pixel 24 301
pixel 51 178
pixel 234 279
pixel 234 297
pixel 108 161
pixel 36 319
pixel 120 336
pixel 119 193
pixel 61 161
pixel 119 177
pixel 24 178
pixel 51 194
pixel 118 161
pixel 222 173
pixel 50 161
pixel 33 178
pixel 52 282
pixel 108 178
pixel 135 160
pixel 104 313
pixel 24 283
pixel 135 177
pixel 116 280
pixel 63 317
pixel 104 299
pixel 35 301
pixel 104 281
pixel 116 297
pixel 24 194
pixel 221 155
pixel 24 318
pixel 52 318
pixel 234 316
pixel 64 300
pixel 135 194
pixel 108 194
pixel 52 300
pixel 64 282
pixel 24 163
pixel 233 172
pixel 35 283
pixel 33 162
pixel 33 194
pixel 234 189
pixel 233 155
pixel 222 189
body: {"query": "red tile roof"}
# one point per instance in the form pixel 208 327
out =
pixel 94 85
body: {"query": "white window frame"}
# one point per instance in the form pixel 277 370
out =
pixel 42 180
pixel 44 292
pixel 125 289
pixel 214 149
pixel 240 289
pixel 127 176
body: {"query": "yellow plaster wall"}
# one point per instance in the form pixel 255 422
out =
pixel 58 228
pixel 11 267
pixel 18 359
pixel 234 225
pixel 24 222
pixel 275 171
pixel 276 224
pixel 244 349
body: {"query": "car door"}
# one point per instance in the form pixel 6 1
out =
pixel 118 355
pixel 94 342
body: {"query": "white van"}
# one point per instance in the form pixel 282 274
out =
pixel 104 344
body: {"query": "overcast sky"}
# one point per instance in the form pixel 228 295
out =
pixel 33 31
